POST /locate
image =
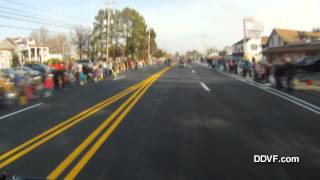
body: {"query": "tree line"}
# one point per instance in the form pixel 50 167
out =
pixel 129 37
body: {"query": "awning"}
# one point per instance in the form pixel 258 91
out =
pixel 306 47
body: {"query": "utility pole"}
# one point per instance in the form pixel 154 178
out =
pixel 205 43
pixel 244 38
pixel 108 25
pixel 149 46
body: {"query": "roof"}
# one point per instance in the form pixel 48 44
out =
pixel 291 36
pixel 7 45
pixel 264 40
pixel 296 47
pixel 240 42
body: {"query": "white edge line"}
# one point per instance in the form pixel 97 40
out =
pixel 281 96
pixel 205 86
pixel 280 92
pixel 297 99
pixel 119 78
pixel 20 111
pixel 288 99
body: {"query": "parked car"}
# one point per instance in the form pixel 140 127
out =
pixel 42 68
pixel 9 72
pixel 26 71
pixel 308 63
pixel 7 91
pixel 85 62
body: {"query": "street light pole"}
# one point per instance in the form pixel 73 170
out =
pixel 108 26
pixel 244 39
pixel 149 46
pixel 108 29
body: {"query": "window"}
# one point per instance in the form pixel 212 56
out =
pixel 254 47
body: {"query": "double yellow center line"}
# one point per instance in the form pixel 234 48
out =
pixel 19 151
pixel 124 109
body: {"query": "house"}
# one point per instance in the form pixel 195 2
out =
pixel 228 50
pixel 296 44
pixel 264 42
pixel 282 37
pixel 7 48
pixel 27 50
pixel 295 50
pixel 253 49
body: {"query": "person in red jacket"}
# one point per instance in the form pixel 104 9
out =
pixel 48 86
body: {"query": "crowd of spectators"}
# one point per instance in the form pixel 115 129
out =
pixel 260 71
pixel 22 88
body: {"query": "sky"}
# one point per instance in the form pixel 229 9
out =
pixel 181 25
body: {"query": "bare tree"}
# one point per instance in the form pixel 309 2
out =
pixel 316 29
pixel 81 39
pixel 59 44
pixel 41 36
pixel 63 44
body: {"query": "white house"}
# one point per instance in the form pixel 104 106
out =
pixel 253 49
pixel 6 50
pixel 28 50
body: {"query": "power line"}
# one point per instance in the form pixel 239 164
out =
pixel 13 10
pixel 33 21
pixel 33 17
pixel 39 9
pixel 25 28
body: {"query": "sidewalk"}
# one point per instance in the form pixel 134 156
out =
pixel 309 83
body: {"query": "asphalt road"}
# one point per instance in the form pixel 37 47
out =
pixel 192 123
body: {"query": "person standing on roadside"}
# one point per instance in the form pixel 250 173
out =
pixel 246 68
pixel 290 73
pixel 48 86
pixel 235 67
pixel 267 67
pixel 255 70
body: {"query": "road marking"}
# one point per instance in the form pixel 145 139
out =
pixel 124 109
pixel 193 71
pixel 75 171
pixel 295 98
pixel 288 99
pixel 205 87
pixel 62 166
pixel 75 119
pixel 279 92
pixel 17 152
pixel 119 78
pixel 30 145
pixel 20 111
pixel 285 96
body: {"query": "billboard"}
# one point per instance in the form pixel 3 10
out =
pixel 253 28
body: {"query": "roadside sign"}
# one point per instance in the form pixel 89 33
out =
pixel 253 28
